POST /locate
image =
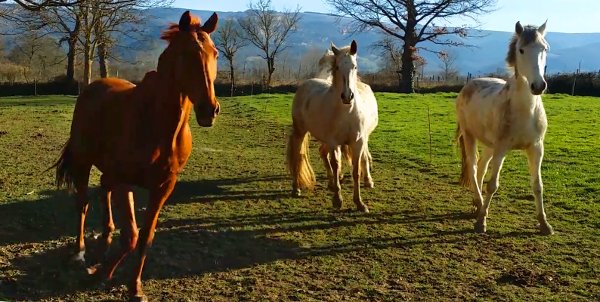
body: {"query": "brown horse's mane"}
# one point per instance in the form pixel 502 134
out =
pixel 173 29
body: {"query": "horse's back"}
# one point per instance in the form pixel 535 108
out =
pixel 371 110
pixel 309 92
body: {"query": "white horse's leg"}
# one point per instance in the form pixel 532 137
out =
pixel 535 155
pixel 358 158
pixel 335 159
pixel 323 153
pixel 470 146
pixel 366 168
pixel 482 166
pixel 492 187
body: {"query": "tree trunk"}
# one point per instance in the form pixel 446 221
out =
pixel 232 77
pixel 103 60
pixel 270 70
pixel 71 56
pixel 408 67
pixel 87 64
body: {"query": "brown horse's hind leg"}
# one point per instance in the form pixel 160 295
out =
pixel 129 235
pixel 109 226
pixel 158 196
pixel 81 176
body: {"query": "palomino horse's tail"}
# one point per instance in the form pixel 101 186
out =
pixel 298 161
pixel 464 180
pixel 64 175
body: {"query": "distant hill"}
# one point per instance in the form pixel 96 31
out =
pixel 317 30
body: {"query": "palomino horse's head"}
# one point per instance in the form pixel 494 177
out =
pixel 345 73
pixel 191 61
pixel 527 55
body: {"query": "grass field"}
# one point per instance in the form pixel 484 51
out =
pixel 231 231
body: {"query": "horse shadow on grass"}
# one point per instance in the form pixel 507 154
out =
pixel 192 247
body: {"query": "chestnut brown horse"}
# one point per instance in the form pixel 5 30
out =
pixel 139 135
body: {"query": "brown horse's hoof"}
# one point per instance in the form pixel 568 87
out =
pixel 296 193
pixel 138 298
pixel 337 202
pixel 363 208
pixel 546 229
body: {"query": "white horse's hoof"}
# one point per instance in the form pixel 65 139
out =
pixel 480 227
pixel 546 229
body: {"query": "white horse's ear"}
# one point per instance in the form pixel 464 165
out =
pixel 335 50
pixel 353 48
pixel 518 28
pixel 542 28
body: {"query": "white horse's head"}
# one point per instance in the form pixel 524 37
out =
pixel 345 71
pixel 527 55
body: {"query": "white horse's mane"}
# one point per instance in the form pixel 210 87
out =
pixel 327 63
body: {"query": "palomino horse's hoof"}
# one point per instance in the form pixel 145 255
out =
pixel 369 184
pixel 363 208
pixel 546 229
pixel 79 259
pixel 480 227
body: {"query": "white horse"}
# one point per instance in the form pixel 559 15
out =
pixel 338 111
pixel 506 115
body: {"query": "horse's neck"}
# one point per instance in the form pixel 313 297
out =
pixel 521 98
pixel 166 111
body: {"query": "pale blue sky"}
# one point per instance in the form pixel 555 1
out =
pixel 563 15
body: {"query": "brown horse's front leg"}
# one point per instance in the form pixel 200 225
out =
pixel 158 196
pixel 109 226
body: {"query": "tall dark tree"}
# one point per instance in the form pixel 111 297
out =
pixel 229 41
pixel 268 30
pixel 414 22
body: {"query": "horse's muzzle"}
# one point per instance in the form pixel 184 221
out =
pixel 347 99
pixel 208 120
pixel 538 88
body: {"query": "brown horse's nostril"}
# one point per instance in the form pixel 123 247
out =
pixel 351 95
pixel 218 109
pixel 343 96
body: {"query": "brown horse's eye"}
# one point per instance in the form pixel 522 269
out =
pixel 521 50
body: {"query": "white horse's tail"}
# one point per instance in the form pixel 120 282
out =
pixel 303 176
pixel 464 180
pixel 326 66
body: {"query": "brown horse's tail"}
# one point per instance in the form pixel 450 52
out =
pixel 464 180
pixel 298 161
pixel 64 168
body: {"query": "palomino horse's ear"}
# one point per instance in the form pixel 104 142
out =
pixel 518 28
pixel 353 48
pixel 211 24
pixel 542 28
pixel 185 21
pixel 334 48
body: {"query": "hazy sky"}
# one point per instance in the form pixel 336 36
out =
pixel 563 15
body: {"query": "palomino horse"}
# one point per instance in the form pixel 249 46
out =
pixel 337 112
pixel 506 115
pixel 139 135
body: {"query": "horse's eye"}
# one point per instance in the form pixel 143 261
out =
pixel 521 50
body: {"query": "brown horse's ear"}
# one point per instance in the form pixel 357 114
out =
pixel 518 28
pixel 185 21
pixel 211 24
pixel 353 48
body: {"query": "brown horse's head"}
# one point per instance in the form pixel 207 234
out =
pixel 191 61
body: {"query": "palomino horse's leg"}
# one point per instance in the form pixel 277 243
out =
pixel 482 166
pixel 123 197
pixel 81 177
pixel 109 226
pixel 323 153
pixel 534 158
pixel 335 159
pixel 367 161
pixel 470 145
pixel 492 187
pixel 158 196
pixel 358 158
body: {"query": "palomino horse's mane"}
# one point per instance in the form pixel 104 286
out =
pixel 173 29
pixel 529 35
pixel 327 63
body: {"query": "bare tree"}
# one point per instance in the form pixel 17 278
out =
pixel 229 41
pixel 390 50
pixel 448 64
pixel 413 22
pixel 268 30
pixel 36 54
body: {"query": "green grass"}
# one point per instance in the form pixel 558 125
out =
pixel 231 231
